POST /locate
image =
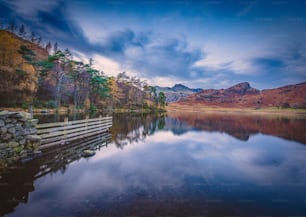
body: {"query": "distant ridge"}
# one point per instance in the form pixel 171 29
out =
pixel 243 95
pixel 177 92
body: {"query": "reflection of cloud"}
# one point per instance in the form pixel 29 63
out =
pixel 165 161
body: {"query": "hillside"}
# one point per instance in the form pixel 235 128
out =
pixel 243 95
pixel 176 92
pixel 19 78
pixel 31 74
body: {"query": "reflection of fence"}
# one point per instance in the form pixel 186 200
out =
pixel 63 132
pixel 59 156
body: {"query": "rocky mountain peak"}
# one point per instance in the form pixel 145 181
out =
pixel 178 87
pixel 241 89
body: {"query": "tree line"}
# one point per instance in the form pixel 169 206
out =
pixel 62 80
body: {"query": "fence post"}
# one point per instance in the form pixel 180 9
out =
pixel 65 128
pixel 100 122
pixel 86 123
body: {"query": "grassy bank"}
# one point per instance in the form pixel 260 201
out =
pixel 68 110
pixel 173 107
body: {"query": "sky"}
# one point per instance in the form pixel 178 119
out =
pixel 198 43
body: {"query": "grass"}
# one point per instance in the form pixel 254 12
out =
pixel 258 111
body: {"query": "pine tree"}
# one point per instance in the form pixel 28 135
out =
pixel 55 47
pixel 22 32
pixel 32 37
pixel 48 47
pixel 12 26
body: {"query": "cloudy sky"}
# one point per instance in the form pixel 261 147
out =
pixel 200 43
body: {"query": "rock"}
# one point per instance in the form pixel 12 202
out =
pixel 2 123
pixel 3 145
pixel 30 131
pixel 8 120
pixel 88 153
pixel 21 115
pixel 33 138
pixel 37 152
pixel 22 142
pixel 12 131
pixel 10 125
pixel 23 154
pixel 6 137
pixel 4 113
pixel 18 149
pixel 19 133
pixel 31 123
pixel 13 144
pixel 26 159
pixel 3 130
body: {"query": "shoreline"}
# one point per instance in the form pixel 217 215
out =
pixel 174 108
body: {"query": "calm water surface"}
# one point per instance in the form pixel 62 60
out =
pixel 180 165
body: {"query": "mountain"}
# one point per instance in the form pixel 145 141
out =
pixel 243 95
pixel 176 92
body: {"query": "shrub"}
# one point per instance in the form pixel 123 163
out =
pixel 25 105
pixel 51 104
pixel 92 108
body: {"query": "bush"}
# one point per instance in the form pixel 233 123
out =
pixel 25 105
pixel 92 108
pixel 51 104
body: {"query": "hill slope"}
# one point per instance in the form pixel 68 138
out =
pixel 243 95
pixel 18 76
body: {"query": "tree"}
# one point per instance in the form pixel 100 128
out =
pixel 22 32
pixel 32 37
pixel 55 47
pixel 77 75
pixel 12 26
pixel 154 95
pixel 98 86
pixel 60 66
pixel 48 47
pixel 27 54
pixel 38 40
pixel 162 99
pixel 116 94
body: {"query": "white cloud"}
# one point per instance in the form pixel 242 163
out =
pixel 31 7
pixel 107 65
pixel 228 56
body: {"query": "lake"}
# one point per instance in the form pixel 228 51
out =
pixel 183 164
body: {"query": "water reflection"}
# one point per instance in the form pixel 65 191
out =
pixel 182 165
pixel 240 126
pixel 129 128
pixel 17 181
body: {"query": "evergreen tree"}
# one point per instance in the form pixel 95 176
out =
pixel 22 31
pixel 48 47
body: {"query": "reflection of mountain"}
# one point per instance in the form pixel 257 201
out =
pixel 242 127
pixel 16 183
pixel 177 126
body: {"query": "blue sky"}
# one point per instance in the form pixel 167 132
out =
pixel 207 44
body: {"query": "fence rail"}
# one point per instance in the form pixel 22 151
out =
pixel 63 132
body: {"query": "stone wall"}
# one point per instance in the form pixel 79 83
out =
pixel 18 137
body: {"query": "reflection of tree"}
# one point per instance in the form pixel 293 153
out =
pixel 130 128
pixel 17 183
pixel 240 126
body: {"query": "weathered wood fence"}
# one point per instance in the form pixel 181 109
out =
pixel 67 131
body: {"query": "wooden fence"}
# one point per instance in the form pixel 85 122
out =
pixel 67 131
